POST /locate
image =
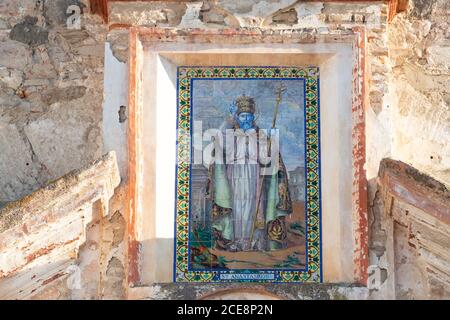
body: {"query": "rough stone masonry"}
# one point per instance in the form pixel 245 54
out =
pixel 51 98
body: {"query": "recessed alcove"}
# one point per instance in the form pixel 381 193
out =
pixel 154 58
pixel 241 294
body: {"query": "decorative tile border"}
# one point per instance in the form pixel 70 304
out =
pixel 313 271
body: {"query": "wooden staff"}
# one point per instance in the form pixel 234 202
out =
pixel 280 90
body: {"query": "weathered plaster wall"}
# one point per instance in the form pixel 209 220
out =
pixel 415 110
pixel 51 97
pixel 97 271
pixel 338 20
pixel 51 92
pixel 411 233
pixel 398 123
pixel 419 54
pixel 249 292
pixel 312 18
pixel 69 230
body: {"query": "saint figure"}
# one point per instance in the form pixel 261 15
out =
pixel 249 198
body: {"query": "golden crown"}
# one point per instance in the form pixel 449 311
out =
pixel 245 104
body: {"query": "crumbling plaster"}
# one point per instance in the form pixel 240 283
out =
pixel 51 80
pixel 63 231
pixel 419 56
pixel 51 91
pixel 410 234
pixel 249 292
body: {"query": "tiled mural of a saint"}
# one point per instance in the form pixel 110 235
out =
pixel 248 207
pixel 247 194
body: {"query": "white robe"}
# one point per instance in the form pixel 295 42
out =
pixel 244 179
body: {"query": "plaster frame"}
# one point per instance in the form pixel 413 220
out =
pixel 139 36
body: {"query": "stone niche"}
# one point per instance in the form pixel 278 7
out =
pixel 150 136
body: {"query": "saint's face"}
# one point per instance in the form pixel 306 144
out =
pixel 245 120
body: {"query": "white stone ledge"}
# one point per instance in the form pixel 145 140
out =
pixel 40 234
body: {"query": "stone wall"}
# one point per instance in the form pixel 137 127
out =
pixel 419 55
pixel 65 240
pixel 311 18
pixel 410 233
pixel 51 94
pixel 51 81
pixel 412 119
pixel 51 76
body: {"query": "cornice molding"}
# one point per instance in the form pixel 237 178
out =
pixel 100 7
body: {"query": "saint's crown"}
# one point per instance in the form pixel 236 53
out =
pixel 245 104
